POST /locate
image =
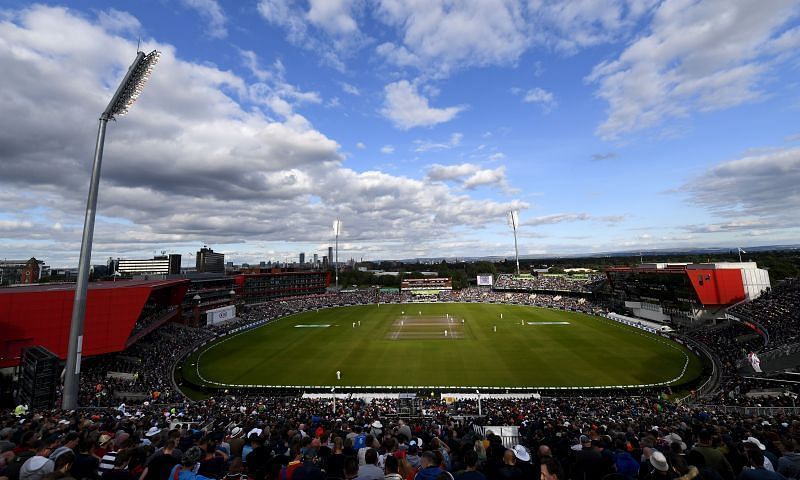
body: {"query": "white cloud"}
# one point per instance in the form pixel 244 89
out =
pixel 406 108
pixel 470 176
pixel 273 90
pixel 428 146
pixel 438 172
pixel 753 191
pixel 212 12
pixel 360 146
pixel 351 89
pixel 441 35
pixel 387 149
pixel 544 98
pixel 556 218
pixel 497 156
pixel 481 178
pixel 569 25
pixel 117 21
pixel 328 28
pixel 697 56
pixel 334 16
pixel 179 172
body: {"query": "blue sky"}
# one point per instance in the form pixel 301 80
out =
pixel 608 124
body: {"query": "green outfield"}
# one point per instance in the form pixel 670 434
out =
pixel 442 345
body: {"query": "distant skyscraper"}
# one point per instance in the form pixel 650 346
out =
pixel 208 261
pixel 302 258
pixel 330 256
pixel 316 259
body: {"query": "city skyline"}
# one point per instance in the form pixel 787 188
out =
pixel 614 125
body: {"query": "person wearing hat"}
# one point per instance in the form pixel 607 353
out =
pixel 660 468
pixel 752 443
pixel 236 441
pixel 523 461
pixel 377 429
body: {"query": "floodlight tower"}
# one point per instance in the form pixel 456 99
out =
pixel 513 222
pixel 125 96
pixel 337 229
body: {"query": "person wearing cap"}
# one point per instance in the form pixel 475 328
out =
pixel 589 464
pixel 236 441
pixel 713 457
pixel 411 455
pixel 756 470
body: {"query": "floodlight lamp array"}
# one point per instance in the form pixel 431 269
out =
pixel 134 84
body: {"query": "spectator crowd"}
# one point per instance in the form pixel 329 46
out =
pixel 275 438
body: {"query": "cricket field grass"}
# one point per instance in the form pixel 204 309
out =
pixel 461 345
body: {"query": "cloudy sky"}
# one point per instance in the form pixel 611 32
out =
pixel 609 124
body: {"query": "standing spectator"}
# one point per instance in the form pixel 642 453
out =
pixel 391 469
pixel 471 472
pixel 713 457
pixel 370 470
pixel 756 470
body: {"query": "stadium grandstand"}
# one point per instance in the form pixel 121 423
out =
pixel 138 413
pixel 425 287
pixel 685 294
pixel 583 283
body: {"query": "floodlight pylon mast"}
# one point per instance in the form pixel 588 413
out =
pixel 125 96
pixel 337 229
pixel 513 221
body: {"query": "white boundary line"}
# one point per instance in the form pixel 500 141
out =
pixel 652 336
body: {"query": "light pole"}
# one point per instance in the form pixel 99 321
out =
pixel 125 96
pixel 337 229
pixel 513 222
pixel 480 410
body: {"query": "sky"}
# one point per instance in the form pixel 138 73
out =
pixel 609 125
